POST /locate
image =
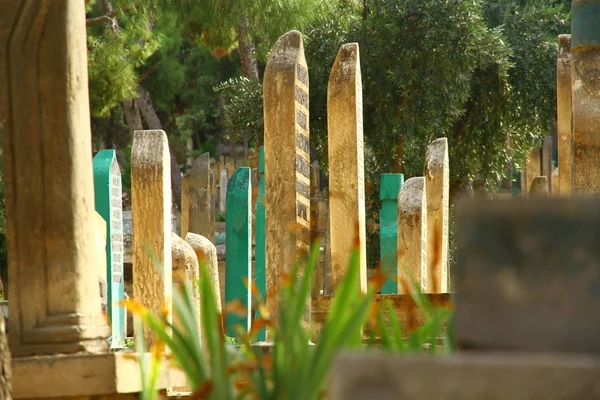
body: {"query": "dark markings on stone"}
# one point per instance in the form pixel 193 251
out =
pixel 302 142
pixel 302 210
pixel 303 189
pixel 302 120
pixel 302 74
pixel 302 97
pixel 303 167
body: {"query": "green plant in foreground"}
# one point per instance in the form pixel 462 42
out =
pixel 293 368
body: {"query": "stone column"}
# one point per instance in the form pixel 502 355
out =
pixel 585 70
pixel 238 267
pixel 346 164
pixel 151 215
pixel 196 199
pixel 437 177
pixel 287 157
pixel 390 185
pixel 564 124
pixel 54 297
pixel 412 235
pixel 108 199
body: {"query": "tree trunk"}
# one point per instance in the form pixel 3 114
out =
pixel 5 361
pixel 153 122
pixel 246 50
pixel 133 117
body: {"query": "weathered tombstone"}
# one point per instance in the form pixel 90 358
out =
pixel 207 252
pixel 108 194
pixel 412 235
pixel 527 275
pixel 539 187
pixel 238 267
pixel 44 106
pixel 223 190
pixel 212 205
pixel 196 199
pixel 585 69
pixel 346 164
pixel 100 262
pixel 259 249
pixel 437 177
pixel 287 162
pixel 564 121
pixel 390 185
pixel 185 268
pixel 532 169
pixel 151 212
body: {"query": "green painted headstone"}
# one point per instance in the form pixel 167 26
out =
pixel 390 185
pixel 238 264
pixel 107 193
pixel 260 249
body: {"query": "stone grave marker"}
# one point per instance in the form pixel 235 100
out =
pixel 49 191
pixel 238 264
pixel 585 69
pixel 152 223
pixel 207 252
pixel 547 166
pixel 533 168
pixel 108 192
pixel 389 187
pixel 564 122
pixel 287 163
pixel 437 177
pixel 346 164
pixel 223 190
pixel 412 235
pixel 196 199
pixel 539 187
pixel 186 268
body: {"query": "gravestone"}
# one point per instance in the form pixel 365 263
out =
pixel 196 199
pixel 564 121
pixel 238 264
pixel 528 275
pixel 49 192
pixel 108 194
pixel 287 163
pixel 533 168
pixel 555 182
pixel 223 190
pixel 212 204
pixel 206 252
pixel 437 177
pixel 539 187
pixel 585 69
pixel 260 249
pixel 412 235
pixel 390 185
pixel 186 268
pixel 151 212
pixel 346 164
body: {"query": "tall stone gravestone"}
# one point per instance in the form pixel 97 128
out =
pixel 223 190
pixel 108 192
pixel 412 235
pixel 196 201
pixel 287 162
pixel 564 121
pixel 390 185
pixel 49 192
pixel 585 69
pixel 238 267
pixel 152 223
pixel 437 177
pixel 346 164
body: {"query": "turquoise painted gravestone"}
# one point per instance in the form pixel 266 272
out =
pixel 238 264
pixel 260 248
pixel 108 198
pixel 390 185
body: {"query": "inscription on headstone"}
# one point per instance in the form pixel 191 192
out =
pixel 108 200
